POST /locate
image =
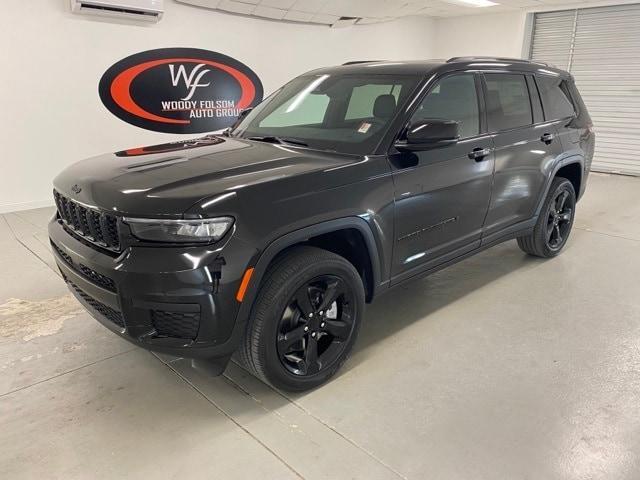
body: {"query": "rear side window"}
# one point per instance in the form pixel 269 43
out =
pixel 508 103
pixel 453 98
pixel 556 99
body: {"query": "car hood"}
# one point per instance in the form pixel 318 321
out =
pixel 168 179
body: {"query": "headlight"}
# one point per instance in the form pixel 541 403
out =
pixel 185 231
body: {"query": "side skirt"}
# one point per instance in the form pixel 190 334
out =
pixel 510 233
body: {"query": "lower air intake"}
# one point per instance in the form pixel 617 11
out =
pixel 176 324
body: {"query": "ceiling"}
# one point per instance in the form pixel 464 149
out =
pixel 328 12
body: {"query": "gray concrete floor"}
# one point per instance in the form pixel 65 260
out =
pixel 500 367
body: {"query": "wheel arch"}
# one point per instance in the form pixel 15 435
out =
pixel 318 235
pixel 574 173
pixel 564 163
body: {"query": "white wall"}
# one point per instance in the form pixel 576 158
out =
pixel 52 61
pixel 499 34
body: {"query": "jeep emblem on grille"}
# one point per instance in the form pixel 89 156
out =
pixel 76 189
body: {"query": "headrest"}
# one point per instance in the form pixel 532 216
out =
pixel 384 106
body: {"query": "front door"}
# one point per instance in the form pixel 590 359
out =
pixel 442 194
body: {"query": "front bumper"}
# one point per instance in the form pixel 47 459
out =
pixel 177 301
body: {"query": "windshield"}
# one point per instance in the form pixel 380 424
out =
pixel 345 113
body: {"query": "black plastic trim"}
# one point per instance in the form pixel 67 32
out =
pixel 301 235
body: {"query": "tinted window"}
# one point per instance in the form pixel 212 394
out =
pixel 556 99
pixel 453 98
pixel 363 99
pixel 508 104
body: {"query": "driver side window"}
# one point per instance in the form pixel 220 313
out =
pixel 453 98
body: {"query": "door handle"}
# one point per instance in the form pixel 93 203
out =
pixel 547 138
pixel 479 154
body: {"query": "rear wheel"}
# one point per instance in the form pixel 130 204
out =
pixel 305 319
pixel 554 224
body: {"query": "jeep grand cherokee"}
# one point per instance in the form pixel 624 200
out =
pixel 267 241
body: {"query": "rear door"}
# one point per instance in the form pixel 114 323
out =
pixel 442 194
pixel 558 105
pixel 525 147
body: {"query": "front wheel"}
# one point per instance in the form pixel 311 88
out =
pixel 305 319
pixel 554 224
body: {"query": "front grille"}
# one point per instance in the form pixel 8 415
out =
pixel 88 273
pixel 176 324
pixel 95 226
pixel 105 310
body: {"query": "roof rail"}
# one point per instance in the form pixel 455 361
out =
pixel 491 59
pixel 355 62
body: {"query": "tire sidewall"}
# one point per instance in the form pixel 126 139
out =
pixel 558 186
pixel 271 312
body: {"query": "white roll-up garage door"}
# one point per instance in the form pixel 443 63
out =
pixel 601 48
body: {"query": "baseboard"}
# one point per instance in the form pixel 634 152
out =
pixel 16 207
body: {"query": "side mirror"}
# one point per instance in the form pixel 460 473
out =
pixel 429 133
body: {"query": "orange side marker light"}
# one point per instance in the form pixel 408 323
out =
pixel 244 284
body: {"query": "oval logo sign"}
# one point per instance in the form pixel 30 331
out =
pixel 179 90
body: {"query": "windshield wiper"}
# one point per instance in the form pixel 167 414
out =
pixel 280 140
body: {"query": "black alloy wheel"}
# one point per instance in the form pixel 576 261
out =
pixel 559 219
pixel 552 229
pixel 316 325
pixel 304 320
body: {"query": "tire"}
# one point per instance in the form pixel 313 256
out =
pixel 554 223
pixel 280 315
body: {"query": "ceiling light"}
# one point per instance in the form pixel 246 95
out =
pixel 474 3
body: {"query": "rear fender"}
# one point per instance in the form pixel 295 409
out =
pixel 552 173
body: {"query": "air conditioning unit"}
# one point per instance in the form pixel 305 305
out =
pixel 144 10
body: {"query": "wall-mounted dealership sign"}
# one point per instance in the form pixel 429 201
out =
pixel 179 90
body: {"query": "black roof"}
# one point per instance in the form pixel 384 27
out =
pixel 423 67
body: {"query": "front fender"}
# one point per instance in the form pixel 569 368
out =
pixel 274 248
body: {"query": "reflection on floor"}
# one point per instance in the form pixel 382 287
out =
pixel 500 367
